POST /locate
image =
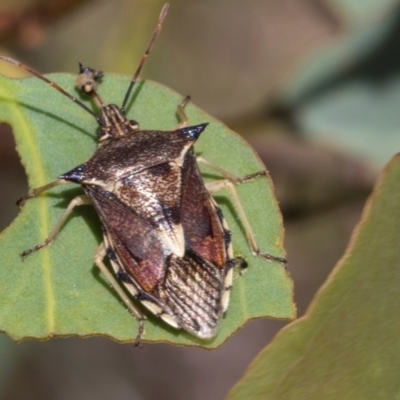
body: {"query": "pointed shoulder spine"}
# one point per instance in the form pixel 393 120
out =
pixel 193 132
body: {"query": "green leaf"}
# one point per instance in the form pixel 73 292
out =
pixel 58 291
pixel 347 345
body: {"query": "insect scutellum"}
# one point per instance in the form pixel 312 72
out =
pixel 166 238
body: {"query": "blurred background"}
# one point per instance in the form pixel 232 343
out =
pixel 313 85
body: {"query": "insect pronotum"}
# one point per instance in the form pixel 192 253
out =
pixel 166 238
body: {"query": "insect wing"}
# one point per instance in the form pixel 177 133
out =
pixel 185 291
pixel 204 231
pixel 140 251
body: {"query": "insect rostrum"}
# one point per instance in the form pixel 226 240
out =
pixel 165 237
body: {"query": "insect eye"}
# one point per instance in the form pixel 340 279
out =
pixel 103 135
pixel 133 124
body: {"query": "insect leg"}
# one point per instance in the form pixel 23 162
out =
pixel 180 110
pixel 99 256
pixel 39 190
pixel 230 177
pixel 229 183
pixel 77 201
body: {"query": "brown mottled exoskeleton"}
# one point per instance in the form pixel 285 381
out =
pixel 166 238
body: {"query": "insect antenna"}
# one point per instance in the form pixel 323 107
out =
pixel 52 84
pixel 146 54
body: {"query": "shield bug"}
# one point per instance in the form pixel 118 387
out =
pixel 164 235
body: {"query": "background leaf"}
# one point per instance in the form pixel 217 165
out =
pixel 347 344
pixel 57 291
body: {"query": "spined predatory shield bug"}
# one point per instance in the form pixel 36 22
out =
pixel 165 236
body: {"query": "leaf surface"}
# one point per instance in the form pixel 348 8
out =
pixel 58 291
